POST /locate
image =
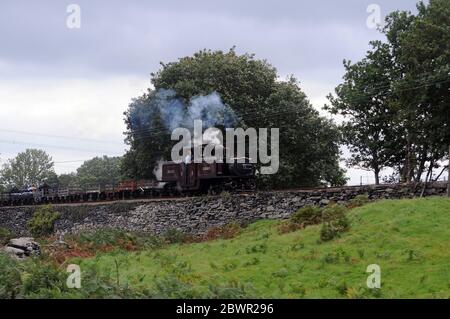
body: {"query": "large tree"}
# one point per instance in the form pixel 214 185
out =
pixel 98 171
pixel 30 168
pixel 68 180
pixel 364 100
pixel 309 144
pixel 396 100
pixel 421 47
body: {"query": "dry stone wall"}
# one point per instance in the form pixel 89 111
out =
pixel 195 215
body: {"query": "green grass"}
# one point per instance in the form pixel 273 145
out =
pixel 409 239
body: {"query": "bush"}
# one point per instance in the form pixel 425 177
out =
pixel 333 212
pixel 231 230
pixel 5 236
pixel 305 216
pixel 43 221
pixel 174 236
pixel 334 228
pixel 228 231
pixel 39 278
pixel 257 248
pixel 10 279
pixel 171 287
pixel 43 280
pixel 334 222
pixel 308 215
pixel 288 227
pixel 105 238
pixel 358 201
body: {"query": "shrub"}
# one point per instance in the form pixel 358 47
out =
pixel 212 233
pixel 37 278
pixel 342 288
pixel 43 221
pixel 334 222
pixel 361 292
pixel 231 230
pixel 10 279
pixel 308 215
pixel 228 231
pixel 281 273
pixel 333 228
pixel 258 248
pixel 288 227
pixel 252 262
pixel 41 278
pixel 333 212
pixel 45 280
pixel 298 289
pixel 331 258
pixel 104 286
pixel 229 265
pixel 174 236
pixel 149 241
pixel 358 200
pixel 5 236
pixel 171 287
pixel 106 238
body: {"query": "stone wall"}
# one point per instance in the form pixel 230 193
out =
pixel 195 215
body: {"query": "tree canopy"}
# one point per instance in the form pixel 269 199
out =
pixel 396 99
pixel 98 171
pixel 30 168
pixel 309 144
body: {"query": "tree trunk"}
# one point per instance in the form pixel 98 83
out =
pixel 407 166
pixel 377 176
pixel 439 175
pixel 421 168
pixel 429 174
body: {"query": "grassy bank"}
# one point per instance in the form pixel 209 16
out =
pixel 408 239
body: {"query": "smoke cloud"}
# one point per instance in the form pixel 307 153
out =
pixel 157 171
pixel 164 106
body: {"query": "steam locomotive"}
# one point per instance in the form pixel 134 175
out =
pixel 186 178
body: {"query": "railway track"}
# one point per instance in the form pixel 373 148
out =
pixel 181 198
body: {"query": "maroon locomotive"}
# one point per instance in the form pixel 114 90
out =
pixel 210 178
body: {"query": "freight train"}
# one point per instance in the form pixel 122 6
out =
pixel 176 179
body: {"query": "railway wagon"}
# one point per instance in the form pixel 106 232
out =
pixel 177 179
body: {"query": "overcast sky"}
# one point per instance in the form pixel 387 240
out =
pixel 71 85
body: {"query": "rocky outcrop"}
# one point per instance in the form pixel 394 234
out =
pixel 196 215
pixel 22 247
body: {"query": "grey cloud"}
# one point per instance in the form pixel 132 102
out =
pixel 86 74
pixel 132 37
